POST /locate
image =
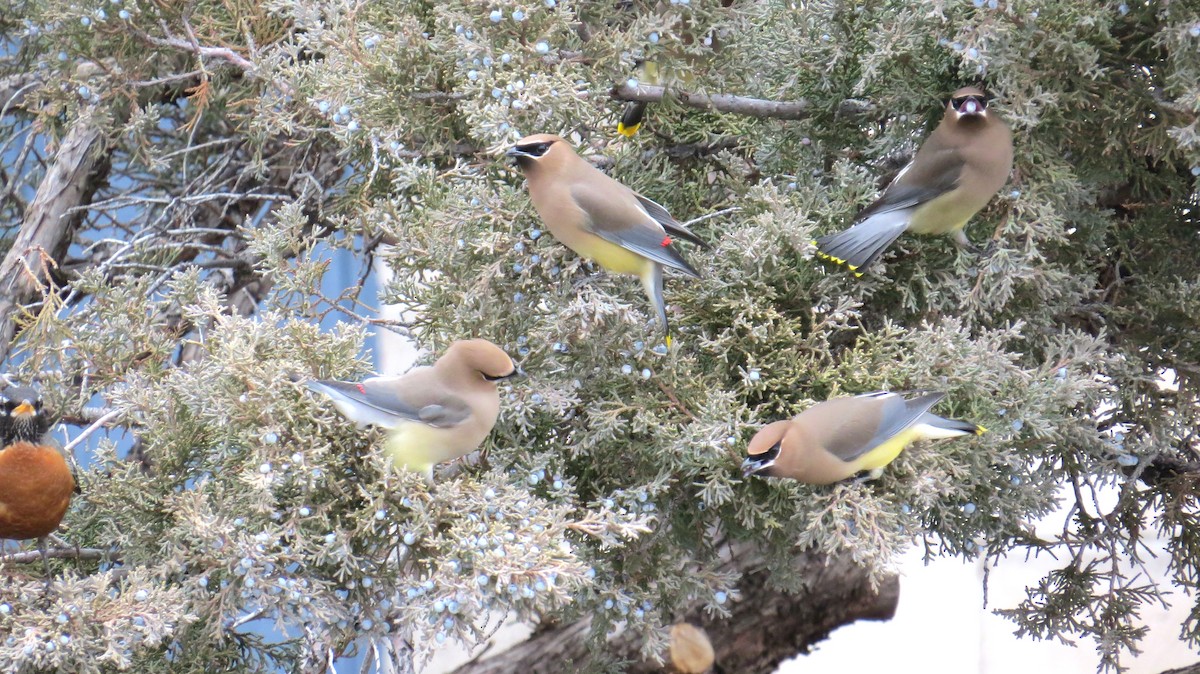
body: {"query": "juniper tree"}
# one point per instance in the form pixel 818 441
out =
pixel 178 177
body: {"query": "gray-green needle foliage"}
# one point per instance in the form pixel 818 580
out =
pixel 244 143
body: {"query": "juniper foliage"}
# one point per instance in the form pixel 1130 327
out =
pixel 241 143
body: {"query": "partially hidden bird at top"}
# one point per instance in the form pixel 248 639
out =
pixel 433 413
pixel 954 174
pixel 601 219
pixel 36 483
pixel 635 111
pixel 841 437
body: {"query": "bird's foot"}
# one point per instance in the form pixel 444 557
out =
pixel 868 476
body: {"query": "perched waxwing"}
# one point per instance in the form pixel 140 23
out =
pixel 601 219
pixel 35 481
pixel 840 437
pixel 957 170
pixel 673 65
pixel 635 111
pixel 434 413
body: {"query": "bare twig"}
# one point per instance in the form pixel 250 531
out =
pixel 112 414
pixel 82 554
pixel 714 214
pixel 222 53
pixel 740 105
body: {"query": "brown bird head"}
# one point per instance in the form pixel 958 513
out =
pixel 968 103
pixel 763 450
pixel 478 358
pixel 540 151
pixel 22 409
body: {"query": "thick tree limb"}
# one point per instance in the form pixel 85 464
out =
pixel 740 105
pixel 46 230
pixel 1190 669
pixel 766 628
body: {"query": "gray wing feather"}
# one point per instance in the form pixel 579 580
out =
pixel 377 403
pixel 939 174
pixel 900 413
pixel 645 238
pixel 669 223
pixel 648 243
pixel 445 415
pixel 896 415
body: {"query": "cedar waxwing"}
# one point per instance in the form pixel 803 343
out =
pixel 840 437
pixel 691 651
pixel 35 481
pixel 434 413
pixel 957 170
pixel 601 219
pixel 635 111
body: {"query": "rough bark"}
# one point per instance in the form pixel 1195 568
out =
pixel 766 628
pixel 46 229
pixel 1190 669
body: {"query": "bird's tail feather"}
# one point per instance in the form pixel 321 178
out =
pixel 652 282
pixel 631 119
pixel 860 245
pixel 934 426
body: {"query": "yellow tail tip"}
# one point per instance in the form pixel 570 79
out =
pixel 628 131
pixel 980 430
pixel 839 261
pixel 669 341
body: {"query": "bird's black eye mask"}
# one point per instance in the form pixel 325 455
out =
pixel 516 371
pixel 959 101
pixel 769 455
pixel 534 149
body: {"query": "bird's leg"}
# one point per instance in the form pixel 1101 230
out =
pixel 586 280
pixel 959 237
pixel 45 559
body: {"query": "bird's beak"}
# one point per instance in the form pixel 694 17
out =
pixel 752 465
pixel 24 409
pixel 516 153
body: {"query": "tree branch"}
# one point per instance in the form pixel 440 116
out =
pixel 767 626
pixel 739 105
pixel 1190 669
pixel 223 53
pixel 46 230
pixel 82 554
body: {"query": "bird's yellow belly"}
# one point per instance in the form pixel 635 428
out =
pixel 610 256
pixel 945 214
pixel 886 452
pixel 418 447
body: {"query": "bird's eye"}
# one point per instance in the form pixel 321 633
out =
pixel 543 148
